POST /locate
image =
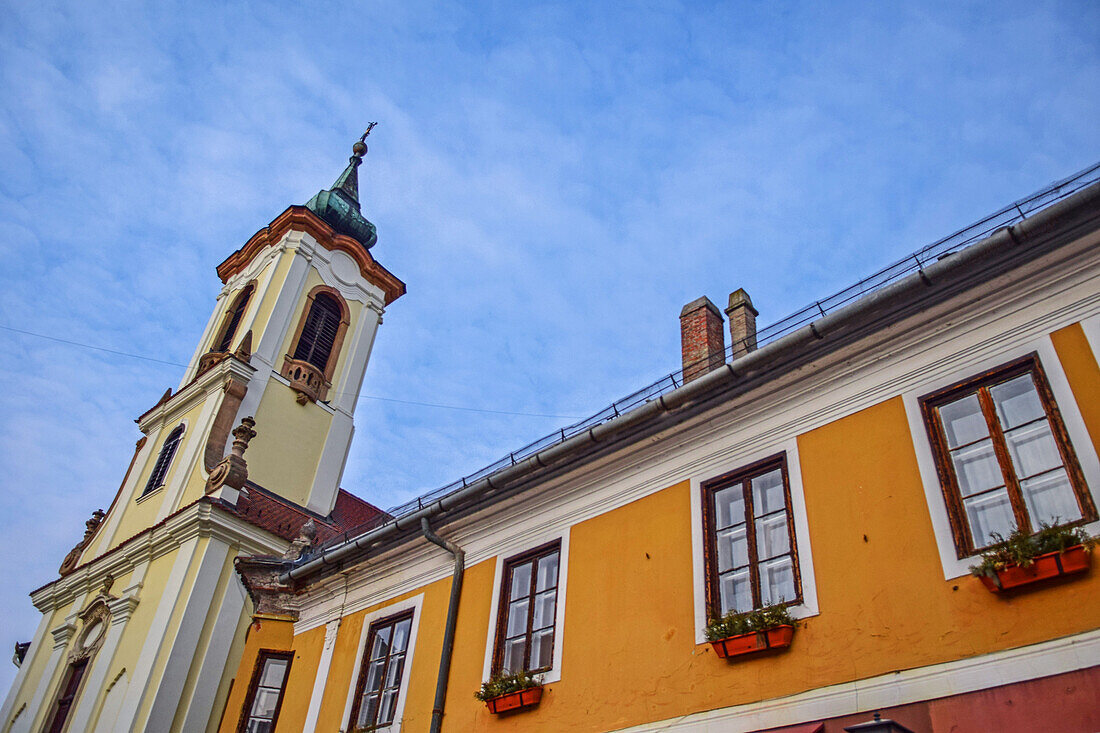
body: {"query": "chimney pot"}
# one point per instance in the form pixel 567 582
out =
pixel 742 317
pixel 702 339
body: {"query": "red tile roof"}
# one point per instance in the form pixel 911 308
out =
pixel 284 518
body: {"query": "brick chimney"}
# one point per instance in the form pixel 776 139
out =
pixel 742 323
pixel 702 339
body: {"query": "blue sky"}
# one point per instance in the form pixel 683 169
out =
pixel 552 181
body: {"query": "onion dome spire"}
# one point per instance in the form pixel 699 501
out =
pixel 339 205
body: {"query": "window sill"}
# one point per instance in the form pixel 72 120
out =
pixel 149 494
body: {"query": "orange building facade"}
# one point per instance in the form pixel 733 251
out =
pixel 852 468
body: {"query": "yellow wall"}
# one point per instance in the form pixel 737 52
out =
pixel 283 456
pixel 262 633
pixel 629 639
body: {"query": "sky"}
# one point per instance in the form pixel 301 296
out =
pixel 553 181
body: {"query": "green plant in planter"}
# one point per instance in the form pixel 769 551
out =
pixel 501 683
pixel 1021 548
pixel 760 619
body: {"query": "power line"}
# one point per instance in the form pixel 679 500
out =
pixel 116 352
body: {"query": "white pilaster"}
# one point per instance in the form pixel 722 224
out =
pixel 181 652
pixel 330 469
pixel 283 312
pixel 321 677
pixel 201 705
pixel 155 639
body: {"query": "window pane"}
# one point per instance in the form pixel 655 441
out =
pixel 259 726
pixel 777 581
pixel 513 654
pixel 521 581
pixel 1049 498
pixel 545 604
pixel 274 671
pixel 381 642
pixel 387 706
pixel 1017 401
pixel 374 675
pixel 729 506
pixel 368 709
pixel 548 572
pixel 976 468
pixel 733 549
pixel 542 646
pixel 963 421
pixel 401 635
pixel 517 618
pixel 767 493
pixel 771 536
pixel 265 703
pixel 987 514
pixel 735 592
pixel 1033 449
pixel 394 670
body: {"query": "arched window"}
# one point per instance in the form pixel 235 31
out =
pixel 233 319
pixel 164 461
pixel 319 331
pixel 311 362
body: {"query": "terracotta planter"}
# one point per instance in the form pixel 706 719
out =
pixel 528 698
pixel 1051 565
pixel 778 637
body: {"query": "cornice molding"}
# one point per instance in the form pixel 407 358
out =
pixel 302 219
pixel 199 519
pixel 197 390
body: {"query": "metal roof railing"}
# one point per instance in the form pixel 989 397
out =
pixel 1011 214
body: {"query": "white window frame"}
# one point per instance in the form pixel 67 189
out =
pixel 953 566
pixel 415 603
pixel 554 673
pixel 808 607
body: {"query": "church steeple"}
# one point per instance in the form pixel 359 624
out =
pixel 339 205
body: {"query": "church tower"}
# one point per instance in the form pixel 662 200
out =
pixel 144 627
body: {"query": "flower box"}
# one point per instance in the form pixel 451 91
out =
pixel 777 637
pixel 1051 565
pixel 515 700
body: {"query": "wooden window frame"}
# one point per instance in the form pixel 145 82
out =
pixel 164 460
pixel 979 384
pixel 364 666
pixel 254 684
pixel 744 476
pixel 69 701
pixel 232 320
pixel 503 600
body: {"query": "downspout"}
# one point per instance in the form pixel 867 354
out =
pixel 452 618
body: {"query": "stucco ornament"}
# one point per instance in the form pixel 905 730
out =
pixel 307 535
pixel 71 560
pixel 233 470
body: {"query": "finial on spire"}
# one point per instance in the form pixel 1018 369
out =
pixel 359 149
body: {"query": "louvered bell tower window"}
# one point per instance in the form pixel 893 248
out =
pixel 164 461
pixel 319 331
pixel 234 319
